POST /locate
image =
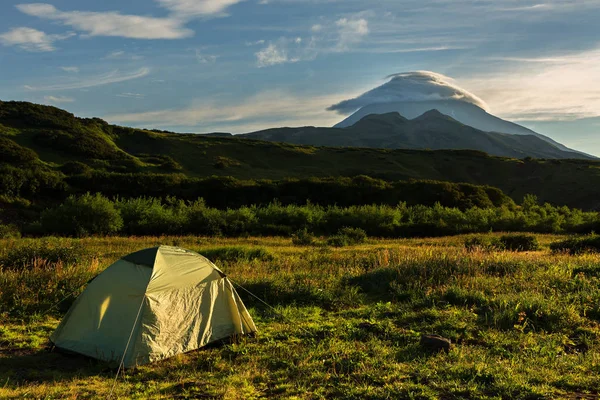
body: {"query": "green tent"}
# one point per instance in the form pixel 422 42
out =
pixel 151 305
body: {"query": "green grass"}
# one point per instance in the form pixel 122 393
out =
pixel 347 323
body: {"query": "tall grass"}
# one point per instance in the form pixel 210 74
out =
pixel 44 287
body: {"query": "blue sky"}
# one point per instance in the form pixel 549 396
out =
pixel 238 66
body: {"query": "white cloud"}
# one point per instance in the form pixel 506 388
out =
pixel 265 110
pixel 115 54
pixel 205 58
pixel 59 99
pixel 427 49
pixel 555 87
pixel 131 95
pixel 351 31
pixel 555 6
pixel 30 39
pixel 111 23
pixel 70 69
pixel 104 79
pixel 410 87
pixel 535 7
pixel 273 54
pixel 122 55
pixel 194 8
pixel 560 87
pixel 338 37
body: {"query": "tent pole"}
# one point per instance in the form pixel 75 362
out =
pixel 127 346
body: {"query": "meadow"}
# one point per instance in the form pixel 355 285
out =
pixel 345 323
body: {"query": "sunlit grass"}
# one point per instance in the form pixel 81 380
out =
pixel 346 324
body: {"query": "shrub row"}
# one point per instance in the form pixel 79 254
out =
pixel 228 192
pixel 577 245
pixel 513 242
pixel 236 253
pixel 97 215
pixel 44 185
pixel 347 237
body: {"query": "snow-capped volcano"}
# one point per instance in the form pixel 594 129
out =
pixel 413 93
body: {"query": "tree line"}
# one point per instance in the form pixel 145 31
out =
pixel 42 188
pixel 95 214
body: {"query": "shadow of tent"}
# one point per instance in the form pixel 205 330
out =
pixel 19 367
pixel 280 295
pixel 415 352
pixel 22 367
pixel 377 284
pixel 193 389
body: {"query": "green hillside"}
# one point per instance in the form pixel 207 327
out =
pixel 46 148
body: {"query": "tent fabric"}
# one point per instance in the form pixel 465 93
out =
pixel 153 304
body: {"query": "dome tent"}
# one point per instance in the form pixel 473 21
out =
pixel 151 305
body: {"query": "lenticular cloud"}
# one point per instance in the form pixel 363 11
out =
pixel 410 87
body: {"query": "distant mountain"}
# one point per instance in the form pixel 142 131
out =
pixel 431 130
pixel 467 113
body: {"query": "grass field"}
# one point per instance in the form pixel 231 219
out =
pixel 347 322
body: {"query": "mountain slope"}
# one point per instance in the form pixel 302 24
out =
pixel 34 154
pixel 432 130
pixel 466 113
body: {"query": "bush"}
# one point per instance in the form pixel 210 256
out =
pixel 338 241
pixel 202 220
pixel 236 253
pixel 577 245
pixel 476 243
pixel 11 152
pixel 149 216
pixel 34 182
pixel 80 216
pixel 238 222
pixel 374 219
pixel 9 232
pixel 347 237
pixel 170 165
pixel 303 238
pixel 75 168
pixel 483 243
pixel 354 235
pixel 521 242
pixel 276 219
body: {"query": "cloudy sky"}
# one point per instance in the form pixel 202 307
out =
pixel 242 65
